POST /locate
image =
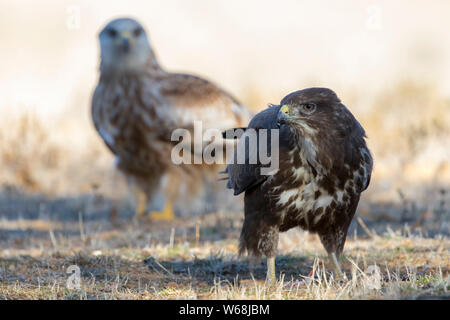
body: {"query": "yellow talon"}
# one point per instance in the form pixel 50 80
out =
pixel 166 215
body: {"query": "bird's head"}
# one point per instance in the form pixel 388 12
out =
pixel 124 47
pixel 311 110
pixel 317 121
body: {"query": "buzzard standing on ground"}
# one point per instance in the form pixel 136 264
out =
pixel 137 105
pixel 324 166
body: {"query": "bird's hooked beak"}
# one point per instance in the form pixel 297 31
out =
pixel 283 115
pixel 125 41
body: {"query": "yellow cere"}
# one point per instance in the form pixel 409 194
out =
pixel 285 109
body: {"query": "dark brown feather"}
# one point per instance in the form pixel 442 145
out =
pixel 324 166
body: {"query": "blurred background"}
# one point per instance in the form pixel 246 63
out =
pixel 389 61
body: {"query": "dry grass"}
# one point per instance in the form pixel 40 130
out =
pixel 125 263
pixel 26 150
pixel 62 204
pixel 50 156
pixel 408 129
pixel 407 124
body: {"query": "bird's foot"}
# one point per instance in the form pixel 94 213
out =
pixel 340 278
pixel 338 274
pixel 166 215
pixel 271 278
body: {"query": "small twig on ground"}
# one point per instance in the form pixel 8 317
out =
pixel 153 260
pixel 53 239
pixel 197 232
pixel 80 223
pixel 172 238
pixel 364 226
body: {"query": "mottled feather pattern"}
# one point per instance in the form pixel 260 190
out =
pixel 323 168
pixel 137 105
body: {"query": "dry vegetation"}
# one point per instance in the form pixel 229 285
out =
pixel 409 130
pixel 62 204
pixel 132 262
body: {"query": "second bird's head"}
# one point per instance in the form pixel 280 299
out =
pixel 124 47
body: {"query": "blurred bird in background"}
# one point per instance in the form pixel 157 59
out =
pixel 324 166
pixel 137 105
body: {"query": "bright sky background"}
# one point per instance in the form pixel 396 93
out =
pixel 48 63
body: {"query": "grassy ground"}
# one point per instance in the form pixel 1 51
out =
pixel 62 204
pixel 196 258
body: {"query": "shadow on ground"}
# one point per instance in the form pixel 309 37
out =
pixel 216 268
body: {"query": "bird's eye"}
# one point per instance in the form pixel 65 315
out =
pixel 112 33
pixel 308 108
pixel 137 32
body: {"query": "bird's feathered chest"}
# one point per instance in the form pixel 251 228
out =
pixel 122 106
pixel 305 193
pixel 125 113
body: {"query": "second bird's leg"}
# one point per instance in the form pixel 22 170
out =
pixel 271 276
pixel 161 204
pixel 141 208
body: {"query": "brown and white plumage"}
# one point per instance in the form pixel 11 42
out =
pixel 137 104
pixel 324 166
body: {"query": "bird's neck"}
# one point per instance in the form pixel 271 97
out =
pixel 150 68
pixel 152 64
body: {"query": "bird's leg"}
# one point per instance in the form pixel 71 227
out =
pixel 337 267
pixel 271 276
pixel 166 214
pixel 141 208
pixel 159 201
pixel 252 262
